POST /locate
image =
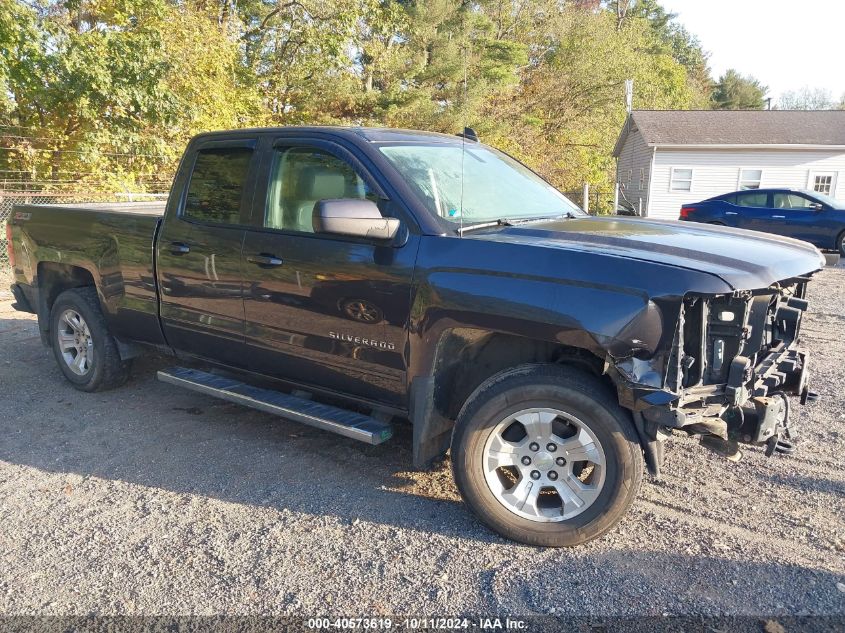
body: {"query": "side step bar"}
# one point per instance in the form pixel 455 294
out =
pixel 322 416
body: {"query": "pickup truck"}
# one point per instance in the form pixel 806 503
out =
pixel 355 278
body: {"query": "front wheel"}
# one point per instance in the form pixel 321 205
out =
pixel 85 351
pixel 545 455
pixel 840 244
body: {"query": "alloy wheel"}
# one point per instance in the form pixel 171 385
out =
pixel 544 465
pixel 75 342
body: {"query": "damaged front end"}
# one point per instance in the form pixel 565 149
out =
pixel 733 360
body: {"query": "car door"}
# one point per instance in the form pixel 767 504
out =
pixel 322 310
pixel 799 216
pixel 198 252
pixel 751 211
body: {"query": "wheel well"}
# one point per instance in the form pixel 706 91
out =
pixel 469 357
pixel 53 280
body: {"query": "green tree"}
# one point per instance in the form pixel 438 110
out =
pixel 567 113
pixel 734 91
pixel 110 89
pixel 104 93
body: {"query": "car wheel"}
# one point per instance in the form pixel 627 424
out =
pixel 544 455
pixel 84 350
pixel 840 244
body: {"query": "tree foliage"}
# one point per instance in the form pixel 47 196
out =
pixel 734 91
pixel 94 89
pixel 807 99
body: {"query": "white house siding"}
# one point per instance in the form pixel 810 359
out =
pixel 716 171
pixel 634 156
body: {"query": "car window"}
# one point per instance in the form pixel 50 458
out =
pixel 791 201
pixel 302 176
pixel 752 199
pixel 730 198
pixel 217 184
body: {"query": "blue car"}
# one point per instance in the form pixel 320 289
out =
pixel 806 215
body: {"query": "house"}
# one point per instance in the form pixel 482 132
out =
pixel 666 158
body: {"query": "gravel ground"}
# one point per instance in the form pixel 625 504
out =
pixel 153 500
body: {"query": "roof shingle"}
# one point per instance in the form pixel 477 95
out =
pixel 740 127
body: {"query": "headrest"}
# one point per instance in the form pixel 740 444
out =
pixel 321 183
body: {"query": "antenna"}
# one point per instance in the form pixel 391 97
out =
pixel 463 116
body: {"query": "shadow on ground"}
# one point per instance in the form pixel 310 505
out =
pixel 157 435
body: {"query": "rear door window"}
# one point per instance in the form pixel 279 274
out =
pixel 752 199
pixel 216 190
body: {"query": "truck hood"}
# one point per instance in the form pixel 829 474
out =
pixel 745 260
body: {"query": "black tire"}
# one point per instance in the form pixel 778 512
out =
pixel 568 390
pixel 106 370
pixel 840 244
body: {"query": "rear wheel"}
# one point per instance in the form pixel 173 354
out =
pixel 545 455
pixel 840 244
pixel 84 350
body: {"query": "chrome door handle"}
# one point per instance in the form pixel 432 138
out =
pixel 730 212
pixel 178 248
pixel 264 260
pixel 778 217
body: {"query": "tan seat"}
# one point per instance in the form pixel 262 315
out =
pixel 313 185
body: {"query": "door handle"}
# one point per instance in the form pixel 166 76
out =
pixel 730 212
pixel 778 217
pixel 264 260
pixel 178 248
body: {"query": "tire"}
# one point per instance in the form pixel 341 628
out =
pixel 840 244
pixel 602 430
pixel 86 353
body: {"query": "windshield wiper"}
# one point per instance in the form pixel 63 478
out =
pixel 506 222
pixel 483 225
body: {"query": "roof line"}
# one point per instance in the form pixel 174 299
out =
pixel 746 145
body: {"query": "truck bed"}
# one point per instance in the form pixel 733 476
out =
pixel 112 241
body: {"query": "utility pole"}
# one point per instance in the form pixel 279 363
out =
pixel 629 95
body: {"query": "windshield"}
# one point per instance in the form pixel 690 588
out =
pixel 494 185
pixel 828 200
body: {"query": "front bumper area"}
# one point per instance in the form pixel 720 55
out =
pixel 752 393
pixel 733 363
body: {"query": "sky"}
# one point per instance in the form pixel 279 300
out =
pixel 786 44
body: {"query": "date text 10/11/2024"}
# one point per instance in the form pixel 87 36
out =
pixel 410 623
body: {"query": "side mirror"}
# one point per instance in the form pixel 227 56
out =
pixel 816 206
pixel 353 217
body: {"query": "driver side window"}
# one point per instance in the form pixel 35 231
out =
pixel 790 201
pixel 302 176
